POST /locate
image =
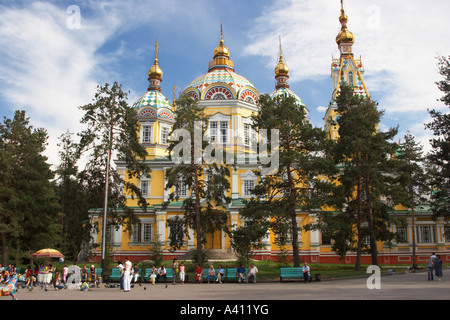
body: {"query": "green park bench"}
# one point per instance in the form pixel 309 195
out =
pixel 205 274
pixel 231 274
pixel 147 273
pixel 115 274
pixel 292 273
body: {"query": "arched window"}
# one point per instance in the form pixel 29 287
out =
pixel 350 78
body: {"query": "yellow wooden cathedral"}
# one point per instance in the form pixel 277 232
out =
pixel 229 100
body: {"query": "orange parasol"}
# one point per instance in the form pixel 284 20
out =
pixel 48 253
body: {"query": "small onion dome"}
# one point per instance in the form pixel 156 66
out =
pixel 221 50
pixel 344 35
pixel 155 71
pixel 281 69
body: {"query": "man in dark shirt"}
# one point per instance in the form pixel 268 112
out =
pixel 240 273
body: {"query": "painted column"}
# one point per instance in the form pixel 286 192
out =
pixel 161 225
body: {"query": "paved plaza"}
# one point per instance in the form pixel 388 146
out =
pixel 402 286
pixel 263 300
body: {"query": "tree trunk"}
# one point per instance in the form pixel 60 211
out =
pixel 358 225
pixel 198 225
pixel 413 229
pixel 295 251
pixel 372 238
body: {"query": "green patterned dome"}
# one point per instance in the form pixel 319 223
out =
pixel 288 92
pixel 152 98
pixel 154 104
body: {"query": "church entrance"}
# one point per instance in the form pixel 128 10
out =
pixel 214 240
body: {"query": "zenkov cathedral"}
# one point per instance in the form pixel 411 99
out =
pixel 229 100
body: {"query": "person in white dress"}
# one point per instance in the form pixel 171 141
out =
pixel 127 276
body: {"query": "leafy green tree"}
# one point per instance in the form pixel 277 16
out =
pixel 29 211
pixel 112 128
pixel 368 168
pixel 440 153
pixel 299 184
pixel 204 209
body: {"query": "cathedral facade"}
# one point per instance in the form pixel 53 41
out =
pixel 229 100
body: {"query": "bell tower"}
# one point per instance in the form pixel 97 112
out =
pixel 346 69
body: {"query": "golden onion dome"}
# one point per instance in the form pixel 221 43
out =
pixel 281 69
pixel 221 50
pixel 344 35
pixel 155 71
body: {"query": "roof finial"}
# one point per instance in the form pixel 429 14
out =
pixel 281 69
pixel 155 73
pixel 279 44
pixel 174 93
pixel 174 98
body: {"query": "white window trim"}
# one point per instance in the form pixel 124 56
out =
pixel 161 127
pixel 141 135
pixel 219 119
pixel 247 176
pixel 146 179
pixel 142 224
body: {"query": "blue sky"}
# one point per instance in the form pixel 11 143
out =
pixel 51 62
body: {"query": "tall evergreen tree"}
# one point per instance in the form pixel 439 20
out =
pixel 207 184
pixel 440 153
pixel 299 184
pixel 414 179
pixel 365 154
pixel 75 198
pixel 28 205
pixel 112 129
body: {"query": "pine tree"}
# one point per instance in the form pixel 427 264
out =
pixel 299 184
pixel 204 209
pixel 112 128
pixel 368 167
pixel 75 198
pixel 440 153
pixel 413 178
pixel 29 211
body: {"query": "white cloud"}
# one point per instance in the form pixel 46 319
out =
pixel 49 68
pixel 397 40
pixel 322 109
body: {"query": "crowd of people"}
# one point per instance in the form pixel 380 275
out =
pixel 46 275
pixel 243 275
pixel 130 276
